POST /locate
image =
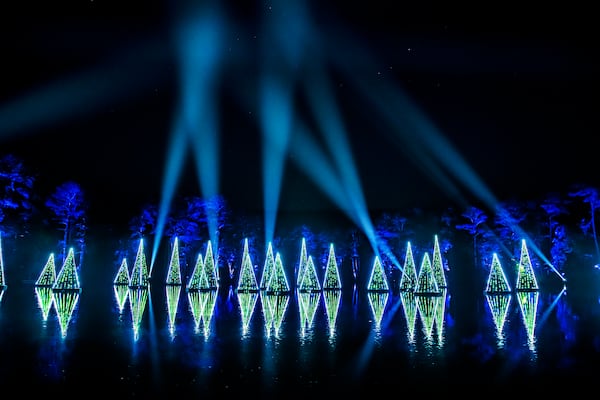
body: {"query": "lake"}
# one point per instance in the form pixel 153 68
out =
pixel 341 341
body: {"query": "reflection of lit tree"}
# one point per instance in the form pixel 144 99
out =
pixel 138 297
pixel 247 280
pixel 526 277
pixel 497 282
pixel 209 299
pixel 528 302
pixel 48 275
pixel 173 292
pixel 440 313
pixel 196 306
pixel 65 302
pixel 275 305
pixel 332 273
pixel 378 302
pixel 333 299
pixel 247 302
pixel 426 282
pixel 45 299
pixel 409 304
pixel 308 302
pixel 498 303
pixel 377 280
pixel 121 293
pixel 427 308
pixel 408 281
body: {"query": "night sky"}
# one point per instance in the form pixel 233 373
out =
pixel 92 96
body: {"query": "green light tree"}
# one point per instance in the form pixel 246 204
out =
pixel 497 281
pixel 310 281
pixel 268 268
pixel 196 280
pixel 48 275
pixel 525 277
pixel 122 276
pixel 332 273
pixel 408 281
pixel 67 278
pixel 426 282
pixel 247 280
pixel 437 264
pixel 278 283
pixel 139 275
pixel 377 280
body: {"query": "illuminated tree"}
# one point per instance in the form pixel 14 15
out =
pixel 16 190
pixel 302 262
pixel 408 280
pixel 310 281
pixel 67 278
pixel 210 269
pixel 278 283
pixel 525 277
pixel 198 278
pixel 426 282
pixel 139 275
pixel 122 277
pixel 438 265
pixel 332 273
pixel 377 280
pixel 268 268
pixel 174 271
pixel 497 282
pixel 247 280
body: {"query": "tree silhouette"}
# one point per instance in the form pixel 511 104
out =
pixel 590 196
pixel 16 190
pixel 476 219
pixel 68 204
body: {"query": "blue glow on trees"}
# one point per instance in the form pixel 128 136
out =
pixel 67 278
pixel 331 280
pixel 2 281
pixel 378 279
pixel 48 275
pixel 408 280
pixel 525 276
pixel 497 281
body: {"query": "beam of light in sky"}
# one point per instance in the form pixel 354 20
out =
pixel 174 163
pixel 283 51
pixel 199 39
pixel 84 92
pixel 329 119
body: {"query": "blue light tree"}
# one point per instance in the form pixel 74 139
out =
pixel 69 207
pixel 16 192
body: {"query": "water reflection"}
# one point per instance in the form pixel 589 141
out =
pixel 498 305
pixel 64 302
pixel 247 302
pixel 409 305
pixel 121 292
pixel 378 302
pixel 333 299
pixel 44 300
pixel 308 302
pixel 202 306
pixel 274 307
pixel 528 304
pixel 138 297
pixel 173 293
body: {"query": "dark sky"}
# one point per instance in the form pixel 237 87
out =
pixel 92 96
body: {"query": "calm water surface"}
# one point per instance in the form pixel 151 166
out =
pixel 339 342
